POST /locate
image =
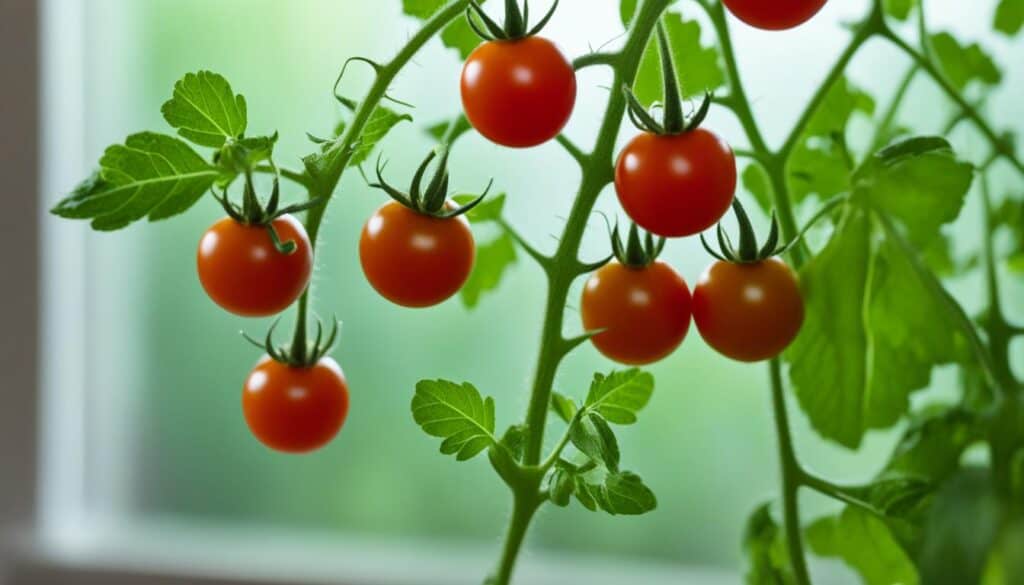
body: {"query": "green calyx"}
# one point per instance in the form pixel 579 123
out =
pixel 254 213
pixel 301 357
pixel 748 251
pixel 517 21
pixel 430 199
pixel 637 251
pixel 674 121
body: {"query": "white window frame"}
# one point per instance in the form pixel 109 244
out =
pixel 44 367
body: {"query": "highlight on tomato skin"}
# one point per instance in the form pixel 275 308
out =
pixel 676 185
pixel 644 311
pixel 774 15
pixel 518 93
pixel 295 409
pixel 749 312
pixel 242 270
pixel 413 259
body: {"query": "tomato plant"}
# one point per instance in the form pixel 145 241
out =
pixel 850 308
pixel 777 15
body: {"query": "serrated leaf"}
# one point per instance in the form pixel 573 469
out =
pixel 871 336
pixel 899 9
pixel 1010 17
pixel 246 153
pixel 766 551
pixel 493 260
pixel 381 121
pixel 698 66
pixel 621 494
pixel 205 109
pixel 619 396
pixel 595 439
pixel 964 64
pixel 456 413
pixel 865 544
pixel 150 175
pixel 489 209
pixel 563 406
pixel 457 35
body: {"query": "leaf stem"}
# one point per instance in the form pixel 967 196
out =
pixel 889 118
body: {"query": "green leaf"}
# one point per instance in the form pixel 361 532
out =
pixel 439 130
pixel 619 396
pixel 205 110
pixel 238 156
pixel 456 413
pixel 150 175
pixel 964 64
pixel 493 260
pixel 899 9
pixel 563 406
pixel 457 35
pixel 961 530
pixel 489 209
pixel 381 121
pixel 698 66
pixel 866 545
pixel 561 485
pixel 871 336
pixel 1009 217
pixel 766 551
pixel 627 9
pixel 818 165
pixel 622 493
pixel 933 444
pixel 1010 16
pixel 595 439
pixel 895 495
pixel 918 181
pixel 514 440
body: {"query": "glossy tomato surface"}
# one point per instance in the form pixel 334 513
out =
pixel 676 186
pixel 244 273
pixel 295 410
pixel 645 311
pixel 415 260
pixel 518 93
pixel 748 312
pixel 774 14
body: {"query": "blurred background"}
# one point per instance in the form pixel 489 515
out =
pixel 144 458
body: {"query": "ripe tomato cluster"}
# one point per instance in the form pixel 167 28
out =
pixel 674 179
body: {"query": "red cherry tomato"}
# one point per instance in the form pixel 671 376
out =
pixel 413 259
pixel 677 185
pixel 748 312
pixel 645 312
pixel 295 410
pixel 243 272
pixel 518 93
pixel 774 14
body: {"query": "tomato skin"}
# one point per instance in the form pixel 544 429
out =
pixel 415 260
pixel 774 14
pixel 518 93
pixel 749 312
pixel 677 185
pixel 295 410
pixel 645 311
pixel 244 273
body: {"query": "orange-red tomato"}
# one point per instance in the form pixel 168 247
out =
pixel 645 312
pixel 774 14
pixel 243 272
pixel 413 259
pixel 677 185
pixel 295 410
pixel 748 312
pixel 518 93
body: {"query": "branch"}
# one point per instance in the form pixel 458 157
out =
pixel 581 158
pixel 542 259
pixel 594 59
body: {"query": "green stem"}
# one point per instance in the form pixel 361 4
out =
pixel 889 118
pixel 522 514
pixel 998 330
pixel 998 143
pixel 792 477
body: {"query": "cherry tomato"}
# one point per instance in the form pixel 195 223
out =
pixel 518 93
pixel 774 14
pixel 243 272
pixel 413 259
pixel 645 312
pixel 677 185
pixel 295 410
pixel 748 312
